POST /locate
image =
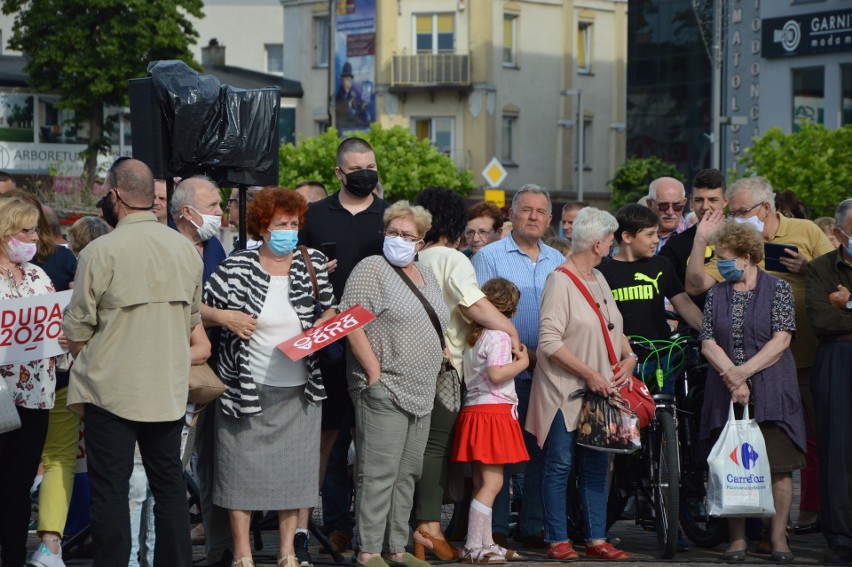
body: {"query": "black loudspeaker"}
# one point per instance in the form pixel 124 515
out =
pixel 151 144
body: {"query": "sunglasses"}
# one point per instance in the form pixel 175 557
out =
pixel 663 207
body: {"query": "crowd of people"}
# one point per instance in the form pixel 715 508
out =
pixel 484 329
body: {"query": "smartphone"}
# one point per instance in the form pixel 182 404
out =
pixel 329 249
pixel 773 254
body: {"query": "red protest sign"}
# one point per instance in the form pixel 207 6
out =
pixel 332 330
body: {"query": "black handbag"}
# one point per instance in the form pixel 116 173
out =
pixel 448 388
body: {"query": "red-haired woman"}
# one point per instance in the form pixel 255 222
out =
pixel 268 431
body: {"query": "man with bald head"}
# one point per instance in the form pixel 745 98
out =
pixel 312 191
pixel 137 295
pixel 667 197
pixel 197 213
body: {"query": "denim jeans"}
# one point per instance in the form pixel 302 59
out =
pixel 559 452
pixel 531 519
pixel 141 516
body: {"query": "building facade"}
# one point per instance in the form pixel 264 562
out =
pixel 479 78
pixel 797 54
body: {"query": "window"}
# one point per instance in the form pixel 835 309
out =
pixel 321 38
pixel 439 131
pixel 507 152
pixel 846 95
pixel 434 33
pixel 274 58
pixel 510 39
pixel 584 47
pixel 56 125
pixel 808 96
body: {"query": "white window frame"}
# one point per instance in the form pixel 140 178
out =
pixel 267 50
pixel 322 44
pixel 512 63
pixel 584 33
pixel 434 16
pixel 508 148
pixel 433 130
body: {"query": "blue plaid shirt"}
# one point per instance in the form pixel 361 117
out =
pixel 503 259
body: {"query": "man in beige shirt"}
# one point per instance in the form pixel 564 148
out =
pixel 136 298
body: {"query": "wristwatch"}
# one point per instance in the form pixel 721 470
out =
pixel 849 304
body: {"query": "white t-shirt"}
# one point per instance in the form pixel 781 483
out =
pixel 277 323
pixel 493 348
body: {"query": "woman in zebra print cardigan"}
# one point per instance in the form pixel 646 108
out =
pixel 267 434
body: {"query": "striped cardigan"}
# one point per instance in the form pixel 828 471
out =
pixel 240 283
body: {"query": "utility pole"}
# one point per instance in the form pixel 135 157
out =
pixel 580 137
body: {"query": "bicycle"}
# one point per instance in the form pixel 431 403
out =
pixel 653 477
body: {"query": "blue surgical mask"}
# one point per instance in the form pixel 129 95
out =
pixel 729 270
pixel 282 242
pixel 848 246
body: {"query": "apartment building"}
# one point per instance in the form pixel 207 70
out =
pixel 479 78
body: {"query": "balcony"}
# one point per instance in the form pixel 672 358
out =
pixel 430 71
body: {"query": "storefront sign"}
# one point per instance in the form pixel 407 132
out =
pixel 807 34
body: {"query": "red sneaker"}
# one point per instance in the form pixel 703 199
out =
pixel 605 551
pixel 563 551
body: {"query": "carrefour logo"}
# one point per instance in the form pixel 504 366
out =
pixel 746 454
pixel 788 36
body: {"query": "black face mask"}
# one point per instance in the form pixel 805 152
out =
pixel 362 182
pixel 108 210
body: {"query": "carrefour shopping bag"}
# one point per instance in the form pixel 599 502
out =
pixel 739 482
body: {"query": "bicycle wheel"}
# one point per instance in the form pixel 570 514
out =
pixel 665 483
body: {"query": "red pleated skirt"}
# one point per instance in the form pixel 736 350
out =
pixel 489 434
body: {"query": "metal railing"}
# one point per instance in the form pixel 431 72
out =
pixel 431 69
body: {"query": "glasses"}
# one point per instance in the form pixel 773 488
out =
pixel 31 231
pixel 663 207
pixel 393 233
pixel 482 233
pixel 742 212
pixel 233 202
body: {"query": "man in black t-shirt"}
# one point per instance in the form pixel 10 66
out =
pixel 640 282
pixel 346 226
pixel 708 194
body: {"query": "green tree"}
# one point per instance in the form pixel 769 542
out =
pixel 633 177
pixel 406 165
pixel 814 163
pixel 86 50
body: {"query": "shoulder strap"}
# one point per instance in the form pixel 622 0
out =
pixel 310 267
pixel 594 305
pixel 429 310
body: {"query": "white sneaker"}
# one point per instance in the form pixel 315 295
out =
pixel 43 557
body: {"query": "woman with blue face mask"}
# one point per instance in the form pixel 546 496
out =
pixel 748 324
pixel 268 431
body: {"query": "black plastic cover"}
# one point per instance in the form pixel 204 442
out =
pixel 226 132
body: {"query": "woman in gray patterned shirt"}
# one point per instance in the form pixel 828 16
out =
pixel 392 363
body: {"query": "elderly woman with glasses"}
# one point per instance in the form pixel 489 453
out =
pixel 33 383
pixel 393 364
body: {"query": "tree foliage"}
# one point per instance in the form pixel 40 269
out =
pixel 86 50
pixel 633 177
pixel 406 165
pixel 814 163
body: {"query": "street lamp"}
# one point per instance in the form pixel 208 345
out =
pixel 581 136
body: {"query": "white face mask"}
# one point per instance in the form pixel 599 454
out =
pixel 399 251
pixel 753 221
pixel 210 225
